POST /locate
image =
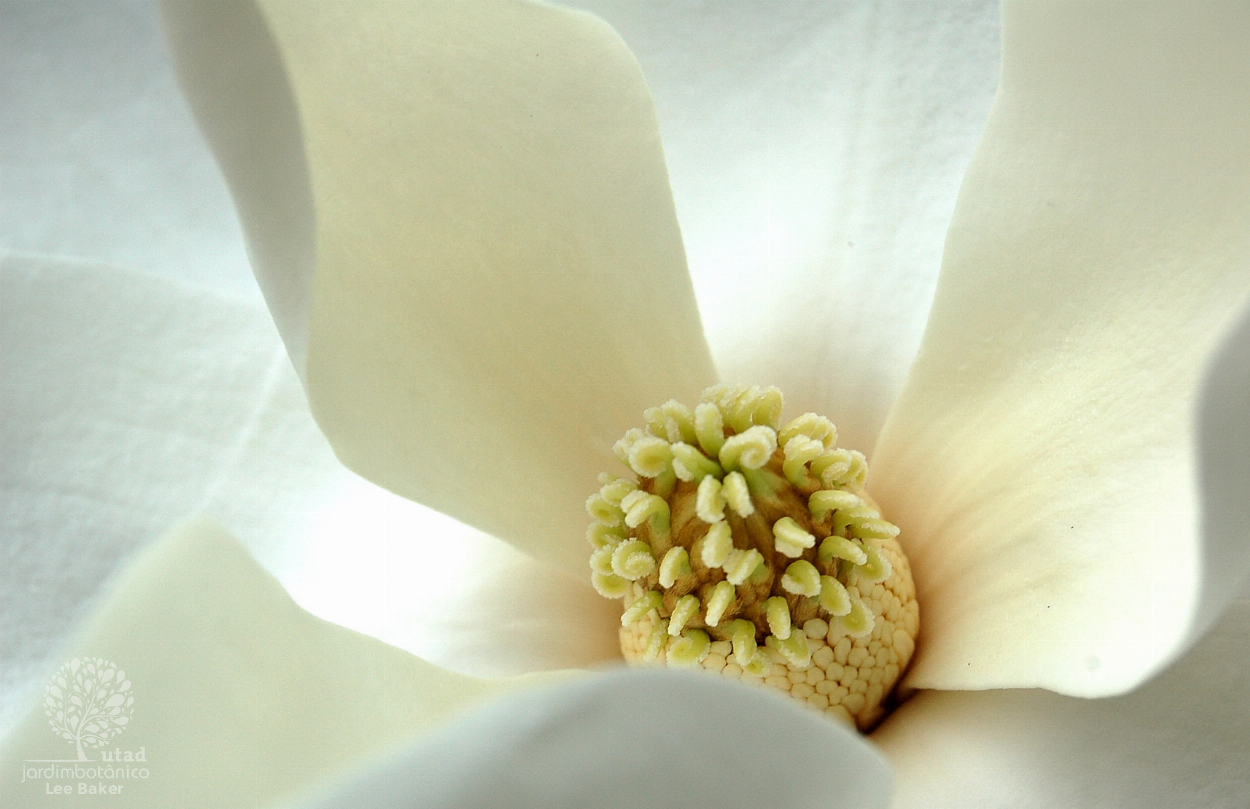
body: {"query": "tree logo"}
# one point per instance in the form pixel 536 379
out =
pixel 88 702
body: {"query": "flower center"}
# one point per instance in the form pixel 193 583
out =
pixel 752 550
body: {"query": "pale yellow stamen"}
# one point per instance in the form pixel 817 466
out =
pixel 650 456
pixel 709 428
pixel 790 538
pixel 676 563
pixel 686 608
pixel 813 426
pixel 768 565
pixel 641 507
pixel 690 649
pixel 717 545
pixel 841 548
pixel 777 612
pixel 802 579
pixel 737 494
pixel 750 449
pixel 710 501
pixel 833 597
pixel 692 465
pixel 632 560
pixel 740 564
pixel 723 596
pixel 650 600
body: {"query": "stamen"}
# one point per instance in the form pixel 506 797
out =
pixel 790 538
pixel 710 501
pixel 718 543
pixel 689 650
pixel 640 507
pixel 650 600
pixel 614 490
pixel 845 518
pixel 859 622
pixel 603 511
pixel 742 633
pixel 601 536
pixel 822 502
pixel 750 449
pixel 841 548
pixel 632 560
pixel 833 597
pixel 692 465
pixel 709 428
pixel 686 608
pixel 802 579
pixel 676 563
pixel 813 426
pixel 800 451
pixel 723 597
pixel 737 494
pixel 777 613
pixel 650 456
pixel 657 638
pixel 877 569
pixel 794 649
pixel 765 564
pixel 740 564
pixel 609 585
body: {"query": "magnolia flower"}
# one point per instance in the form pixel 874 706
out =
pixel 476 333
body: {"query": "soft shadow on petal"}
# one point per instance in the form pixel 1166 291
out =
pixel 233 77
pixel 419 580
pixel 1225 448
pixel 1181 741
pixel 630 739
pixel 500 285
pixel 239 695
pixel 1041 460
pixel 815 151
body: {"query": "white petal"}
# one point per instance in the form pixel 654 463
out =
pixel 234 80
pixel 1180 741
pixel 1041 459
pixel 500 286
pixel 815 151
pixel 1225 452
pixel 229 676
pixel 630 739
pixel 419 580
pixel 131 400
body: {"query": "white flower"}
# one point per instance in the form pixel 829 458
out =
pixel 478 331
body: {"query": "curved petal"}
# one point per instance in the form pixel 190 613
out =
pixel 1041 459
pixel 1180 741
pixel 232 73
pixel 419 580
pixel 630 739
pixel 1225 449
pixel 229 676
pixel 815 151
pixel 500 287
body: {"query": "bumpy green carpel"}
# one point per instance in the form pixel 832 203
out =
pixel 752 550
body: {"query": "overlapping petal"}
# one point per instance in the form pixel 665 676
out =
pixel 1180 741
pixel 499 282
pixel 241 697
pixel 1041 459
pixel 629 739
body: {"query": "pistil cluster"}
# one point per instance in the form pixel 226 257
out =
pixel 751 549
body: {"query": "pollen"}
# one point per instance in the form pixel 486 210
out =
pixel 753 550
